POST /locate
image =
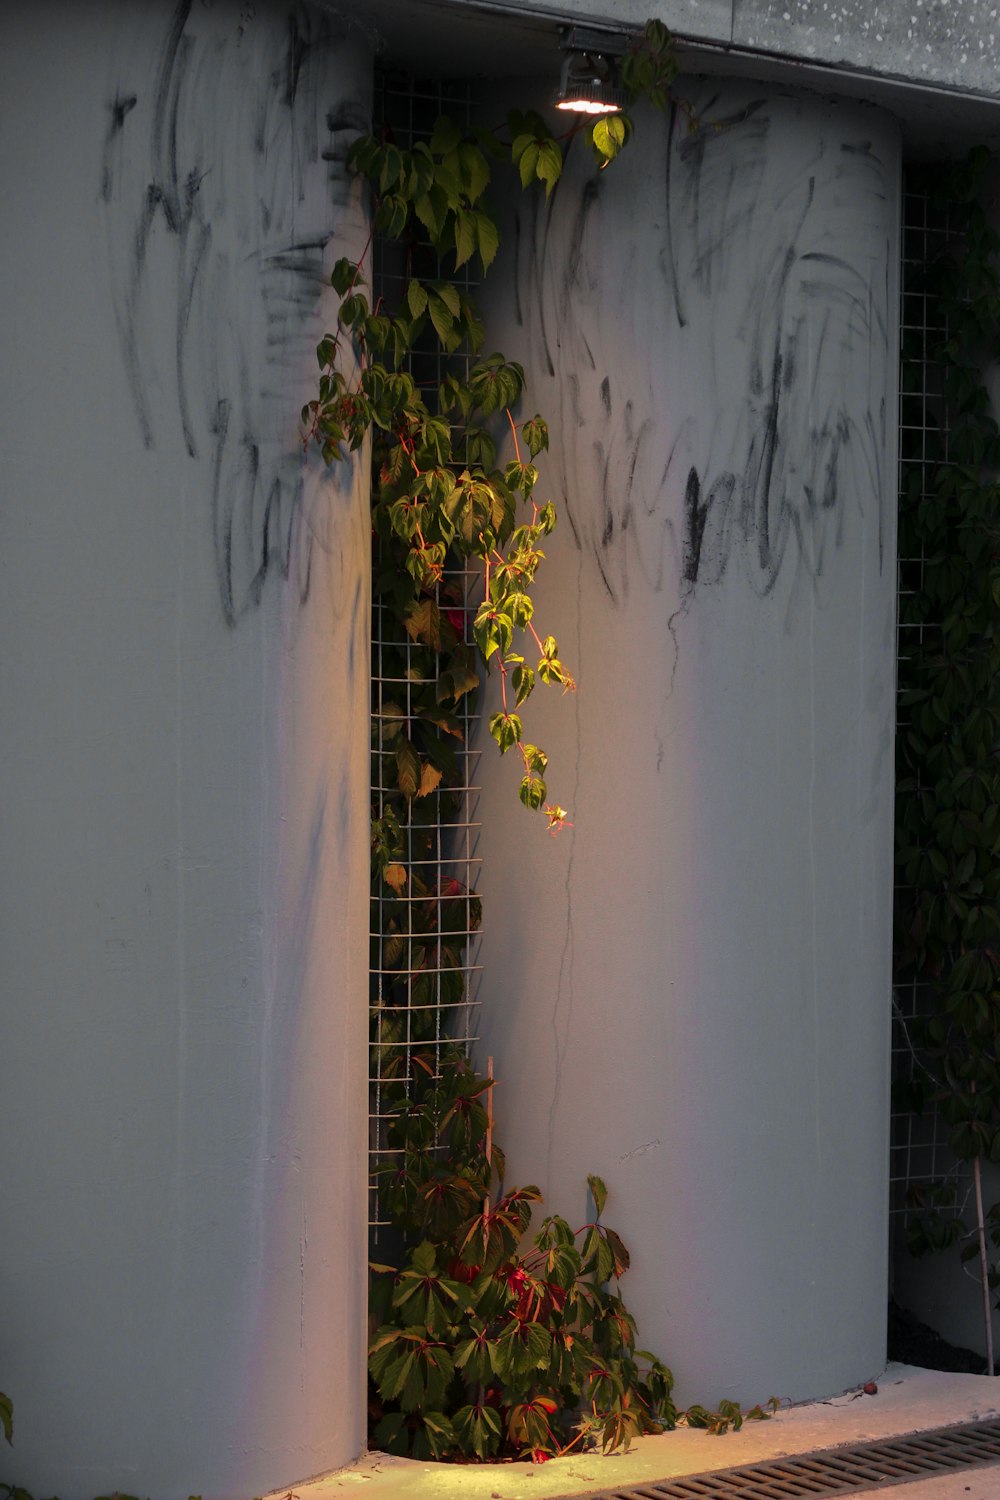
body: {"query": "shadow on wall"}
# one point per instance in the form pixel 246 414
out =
pixel 222 177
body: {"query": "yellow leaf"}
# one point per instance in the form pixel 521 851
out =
pixel 430 778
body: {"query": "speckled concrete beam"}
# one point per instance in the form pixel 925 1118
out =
pixel 947 43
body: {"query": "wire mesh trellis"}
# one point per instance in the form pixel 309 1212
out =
pixel 920 1158
pixel 425 938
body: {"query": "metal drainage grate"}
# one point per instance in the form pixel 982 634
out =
pixel 831 1471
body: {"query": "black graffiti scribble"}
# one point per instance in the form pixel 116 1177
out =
pixel 752 266
pixel 223 176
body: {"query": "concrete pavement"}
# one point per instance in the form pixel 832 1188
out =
pixel 977 1484
pixel 908 1400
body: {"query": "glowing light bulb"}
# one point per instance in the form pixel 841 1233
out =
pixel 589 84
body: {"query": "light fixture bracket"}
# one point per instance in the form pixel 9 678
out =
pixel 590 39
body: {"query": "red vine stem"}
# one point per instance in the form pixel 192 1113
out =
pixel 513 428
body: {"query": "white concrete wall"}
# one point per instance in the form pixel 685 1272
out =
pixel 183 896
pixel 688 993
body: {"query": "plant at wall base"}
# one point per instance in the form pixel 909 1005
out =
pixel 488 1347
pixel 948 772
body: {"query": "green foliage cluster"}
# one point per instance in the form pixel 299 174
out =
pixel 492 1343
pixel 485 1349
pixel 442 502
pixel 948 772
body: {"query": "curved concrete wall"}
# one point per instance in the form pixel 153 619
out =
pixel 184 684
pixel 689 992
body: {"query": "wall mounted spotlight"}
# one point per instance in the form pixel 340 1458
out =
pixel 589 83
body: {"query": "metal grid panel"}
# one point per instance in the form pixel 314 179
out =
pixel 919 1153
pixel 417 996
pixel 832 1471
pixel 418 1005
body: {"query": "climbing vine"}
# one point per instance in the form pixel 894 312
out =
pixel 441 501
pixel 948 772
pixel 490 1342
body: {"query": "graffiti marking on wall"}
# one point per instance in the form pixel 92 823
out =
pixel 223 178
pixel 766 310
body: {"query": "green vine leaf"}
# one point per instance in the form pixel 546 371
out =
pixel 410 1368
pixel 608 136
pixel 523 679
pixel 536 435
pixel 478 1430
pixel 487 238
pixel 344 275
pixel 416 298
pixel 506 730
pixel 407 769
pixel 532 792
pixel 599 1193
pixel 422 621
pixel 445 137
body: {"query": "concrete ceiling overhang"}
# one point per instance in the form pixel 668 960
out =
pixel 487 39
